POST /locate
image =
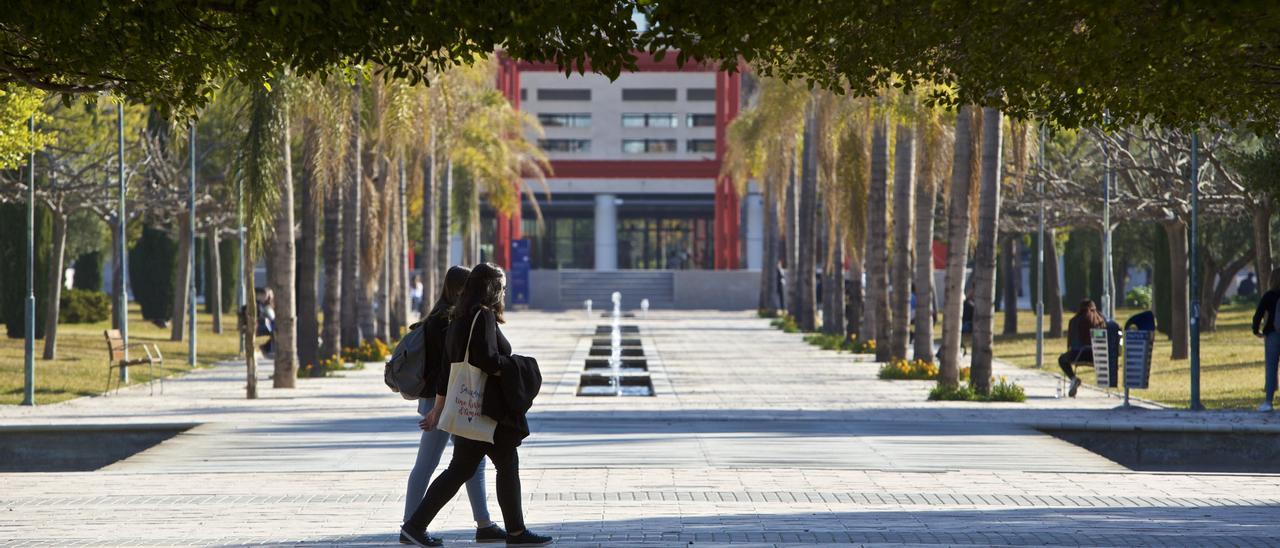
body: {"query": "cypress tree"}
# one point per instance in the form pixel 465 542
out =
pixel 89 271
pixel 1162 282
pixel 151 264
pixel 13 267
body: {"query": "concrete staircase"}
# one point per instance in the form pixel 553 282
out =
pixel 656 285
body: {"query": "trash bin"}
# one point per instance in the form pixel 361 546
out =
pixel 1139 341
pixel 1106 354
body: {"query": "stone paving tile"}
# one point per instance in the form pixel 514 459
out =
pixel 754 438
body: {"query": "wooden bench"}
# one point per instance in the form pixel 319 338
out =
pixel 116 359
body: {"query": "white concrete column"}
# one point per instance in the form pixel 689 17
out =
pixel 455 249
pixel 606 232
pixel 755 231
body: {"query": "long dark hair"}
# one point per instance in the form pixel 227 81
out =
pixel 483 289
pixel 1088 310
pixel 454 279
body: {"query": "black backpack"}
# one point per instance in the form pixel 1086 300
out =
pixel 406 369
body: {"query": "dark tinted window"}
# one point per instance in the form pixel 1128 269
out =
pixel 649 94
pixel 702 94
pixel 564 95
pixel 701 145
pixel 702 120
pixel 564 145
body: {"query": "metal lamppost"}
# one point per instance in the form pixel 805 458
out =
pixel 1195 274
pixel 124 244
pixel 1108 277
pixel 240 233
pixel 191 247
pixel 29 345
pixel 1040 259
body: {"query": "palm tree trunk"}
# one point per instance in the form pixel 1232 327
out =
pixel 1052 287
pixel 213 268
pixel 904 172
pixel 430 222
pixel 878 319
pixel 855 301
pixel 958 202
pixel 1262 213
pixel 181 280
pixel 54 294
pixel 835 290
pixel 446 229
pixel 926 200
pixel 1011 271
pixel 284 273
pixel 768 300
pixel 351 238
pixel 308 254
pixel 248 330
pixel 402 250
pixel 806 307
pixel 1179 329
pixel 333 274
pixel 984 255
pixel 792 238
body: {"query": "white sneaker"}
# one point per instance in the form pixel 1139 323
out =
pixel 1265 407
pixel 1075 386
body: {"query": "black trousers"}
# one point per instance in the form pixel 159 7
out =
pixel 467 455
pixel 1082 354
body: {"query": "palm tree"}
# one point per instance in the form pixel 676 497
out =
pixel 932 137
pixel 351 224
pixel 984 257
pixel 876 310
pixel 959 202
pixel 904 173
pixel 806 225
pixel 284 257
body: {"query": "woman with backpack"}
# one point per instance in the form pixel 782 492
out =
pixel 431 446
pixel 512 383
pixel 1271 337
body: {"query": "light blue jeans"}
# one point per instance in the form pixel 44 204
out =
pixel 1272 344
pixel 430 448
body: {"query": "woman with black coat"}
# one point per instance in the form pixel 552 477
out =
pixel 431 445
pixel 1265 326
pixel 481 304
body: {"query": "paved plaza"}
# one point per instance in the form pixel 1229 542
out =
pixel 754 438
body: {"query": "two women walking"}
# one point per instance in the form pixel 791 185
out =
pixel 463 327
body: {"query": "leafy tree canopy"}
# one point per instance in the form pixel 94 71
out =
pixel 1174 62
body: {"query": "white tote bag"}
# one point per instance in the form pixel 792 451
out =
pixel 461 415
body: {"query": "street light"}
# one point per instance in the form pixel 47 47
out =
pixel 124 245
pixel 191 247
pixel 1040 257
pixel 1195 275
pixel 29 344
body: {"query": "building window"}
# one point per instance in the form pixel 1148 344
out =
pixel 701 94
pixel 561 242
pixel 564 120
pixel 565 145
pixel 524 94
pixel 650 120
pixel 564 95
pixel 648 146
pixel 701 120
pixel 649 94
pixel 700 145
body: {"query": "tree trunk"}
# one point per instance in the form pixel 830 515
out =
pixel 878 318
pixel 1179 329
pixel 904 183
pixel 284 273
pixel 984 255
pixel 792 238
pixel 835 290
pixel 333 273
pixel 214 269
pixel 806 295
pixel 1052 287
pixel 430 222
pixel 1262 240
pixel 446 228
pixel 958 202
pixel 181 279
pixel 402 251
pixel 1011 272
pixel 248 330
pixel 926 201
pixel 351 233
pixel 370 275
pixel 855 300
pixel 768 299
pixel 54 295
pixel 308 253
pixel 1218 281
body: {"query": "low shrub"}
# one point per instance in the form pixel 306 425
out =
pixel 1003 391
pixel 83 306
pixel 1139 297
pixel 766 313
pixel 326 368
pixel 916 370
pixel 826 342
pixel 863 347
pixel 786 323
pixel 372 350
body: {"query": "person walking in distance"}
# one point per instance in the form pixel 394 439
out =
pixel 513 381
pixel 431 445
pixel 1264 325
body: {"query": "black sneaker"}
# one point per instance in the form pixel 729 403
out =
pixel 492 533
pixel 418 538
pixel 528 538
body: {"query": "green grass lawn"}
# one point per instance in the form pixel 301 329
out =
pixel 81 366
pixel 1231 374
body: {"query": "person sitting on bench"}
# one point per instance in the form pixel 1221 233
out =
pixel 1079 341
